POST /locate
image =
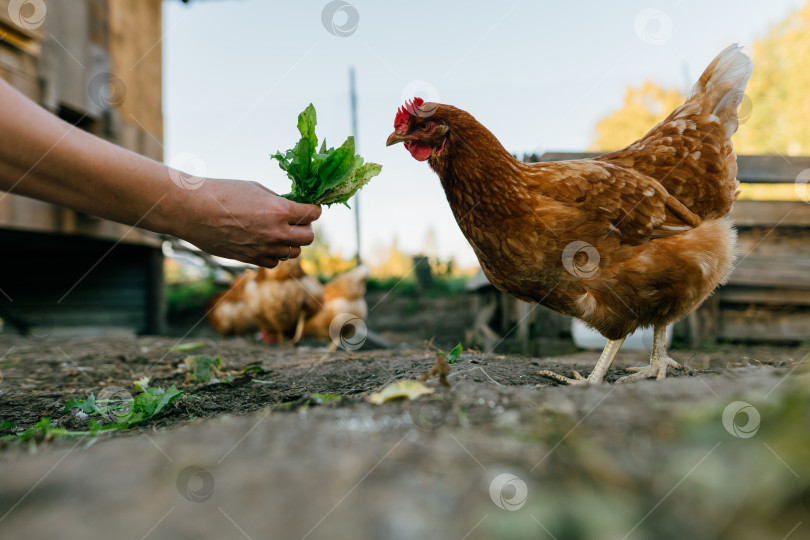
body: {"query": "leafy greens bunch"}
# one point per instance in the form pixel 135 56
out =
pixel 323 176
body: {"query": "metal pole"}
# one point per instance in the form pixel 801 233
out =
pixel 356 202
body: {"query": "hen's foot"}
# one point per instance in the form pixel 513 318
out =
pixel 657 369
pixel 578 379
pixel 598 374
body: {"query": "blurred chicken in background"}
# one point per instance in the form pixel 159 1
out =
pixel 285 302
pixel 274 301
pixel 344 294
pixel 287 297
pixel 235 312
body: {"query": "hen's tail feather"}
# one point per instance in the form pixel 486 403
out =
pixel 723 84
pixel 690 152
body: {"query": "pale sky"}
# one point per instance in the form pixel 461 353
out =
pixel 537 74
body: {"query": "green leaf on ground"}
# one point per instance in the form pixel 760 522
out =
pixel 326 397
pixel 203 369
pixel 188 347
pixel 453 356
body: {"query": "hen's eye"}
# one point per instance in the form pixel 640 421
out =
pixel 424 126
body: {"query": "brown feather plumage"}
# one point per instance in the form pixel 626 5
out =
pixel 270 300
pixel 345 294
pixel 633 238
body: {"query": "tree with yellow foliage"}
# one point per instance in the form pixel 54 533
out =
pixel 396 264
pixel 773 115
pixel 319 259
pixel 779 90
pixel 643 108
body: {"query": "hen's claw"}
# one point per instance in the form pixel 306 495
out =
pixel 598 374
pixel 657 369
pixel 578 379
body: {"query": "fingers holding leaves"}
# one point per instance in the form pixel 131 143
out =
pixel 304 214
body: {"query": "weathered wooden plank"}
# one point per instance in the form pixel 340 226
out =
pixel 781 278
pixel 760 169
pixel 771 296
pixel 703 323
pixel 775 263
pixel 24 214
pixel 19 68
pixel 771 213
pixel 764 326
pixel 770 168
pixel 782 243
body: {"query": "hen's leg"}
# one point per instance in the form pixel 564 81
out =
pixel 599 370
pixel 299 328
pixel 659 360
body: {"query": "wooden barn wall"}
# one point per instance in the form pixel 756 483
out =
pixel 97 64
pixel 55 281
pixel 136 59
pixel 84 49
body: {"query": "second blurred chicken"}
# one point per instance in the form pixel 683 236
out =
pixel 285 302
pixel 344 294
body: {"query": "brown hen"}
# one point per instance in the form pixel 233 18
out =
pixel 343 302
pixel 234 312
pixel 276 301
pixel 630 239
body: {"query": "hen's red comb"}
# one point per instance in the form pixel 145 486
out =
pixel 405 112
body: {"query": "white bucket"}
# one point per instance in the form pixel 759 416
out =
pixel 588 338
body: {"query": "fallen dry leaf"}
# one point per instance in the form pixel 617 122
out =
pixel 401 389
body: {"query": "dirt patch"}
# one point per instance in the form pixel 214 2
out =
pixel 38 377
pixel 503 453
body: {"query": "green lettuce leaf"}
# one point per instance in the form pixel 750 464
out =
pixel 325 176
pixel 361 176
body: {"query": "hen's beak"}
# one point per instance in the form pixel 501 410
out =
pixel 396 137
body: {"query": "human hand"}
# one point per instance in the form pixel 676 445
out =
pixel 244 221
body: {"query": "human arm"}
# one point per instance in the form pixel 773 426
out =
pixel 46 158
